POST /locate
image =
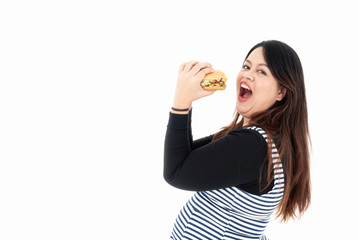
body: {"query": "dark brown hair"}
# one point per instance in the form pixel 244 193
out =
pixel 286 123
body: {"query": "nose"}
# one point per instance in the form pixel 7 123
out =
pixel 248 75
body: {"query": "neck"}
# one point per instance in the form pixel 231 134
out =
pixel 245 121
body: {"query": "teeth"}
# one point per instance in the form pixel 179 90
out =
pixel 245 86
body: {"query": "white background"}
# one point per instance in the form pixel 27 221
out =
pixel 86 88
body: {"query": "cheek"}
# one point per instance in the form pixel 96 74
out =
pixel 268 95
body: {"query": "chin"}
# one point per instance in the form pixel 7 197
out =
pixel 243 110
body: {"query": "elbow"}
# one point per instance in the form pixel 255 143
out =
pixel 168 178
pixel 177 183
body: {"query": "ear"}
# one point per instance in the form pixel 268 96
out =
pixel 281 93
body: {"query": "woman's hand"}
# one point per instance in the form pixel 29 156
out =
pixel 188 87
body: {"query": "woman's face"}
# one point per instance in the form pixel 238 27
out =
pixel 257 89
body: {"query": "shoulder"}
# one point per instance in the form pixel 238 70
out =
pixel 251 134
pixel 258 131
pixel 244 140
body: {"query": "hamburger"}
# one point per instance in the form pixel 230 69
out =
pixel 215 80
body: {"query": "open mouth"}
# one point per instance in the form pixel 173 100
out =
pixel 245 92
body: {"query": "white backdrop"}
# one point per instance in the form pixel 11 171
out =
pixel 86 88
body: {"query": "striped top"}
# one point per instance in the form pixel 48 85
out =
pixel 230 213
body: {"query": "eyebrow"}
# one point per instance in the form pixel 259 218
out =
pixel 260 64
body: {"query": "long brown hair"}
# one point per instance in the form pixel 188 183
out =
pixel 286 123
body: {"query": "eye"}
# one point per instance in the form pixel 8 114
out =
pixel 245 67
pixel 262 72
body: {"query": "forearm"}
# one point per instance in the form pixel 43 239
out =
pixel 178 142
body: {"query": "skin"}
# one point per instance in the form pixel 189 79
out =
pixel 255 73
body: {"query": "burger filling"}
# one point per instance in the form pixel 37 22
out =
pixel 213 83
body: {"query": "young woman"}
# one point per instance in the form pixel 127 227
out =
pixel 252 167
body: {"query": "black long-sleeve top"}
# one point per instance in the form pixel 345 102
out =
pixel 203 164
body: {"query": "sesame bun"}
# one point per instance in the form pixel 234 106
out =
pixel 217 75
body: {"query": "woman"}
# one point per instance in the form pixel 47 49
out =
pixel 252 167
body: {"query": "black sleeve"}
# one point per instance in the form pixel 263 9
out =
pixel 232 160
pixel 201 142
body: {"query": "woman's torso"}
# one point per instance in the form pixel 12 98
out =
pixel 230 213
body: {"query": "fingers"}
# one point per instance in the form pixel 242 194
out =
pixel 194 66
pixel 187 66
pixel 203 72
pixel 199 67
pixel 196 70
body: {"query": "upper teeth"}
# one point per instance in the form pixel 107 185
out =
pixel 245 86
